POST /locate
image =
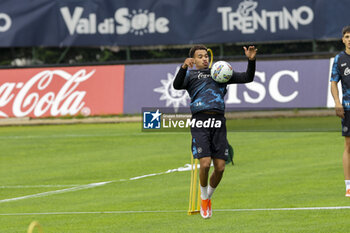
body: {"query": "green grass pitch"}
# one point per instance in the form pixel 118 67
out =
pixel 298 164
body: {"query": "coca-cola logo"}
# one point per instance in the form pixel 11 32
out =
pixel 31 98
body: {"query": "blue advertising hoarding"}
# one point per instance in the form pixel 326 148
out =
pixel 277 85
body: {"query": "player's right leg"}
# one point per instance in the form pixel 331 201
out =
pixel 203 178
pixel 346 154
pixel 346 164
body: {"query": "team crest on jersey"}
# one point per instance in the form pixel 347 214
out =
pixel 226 152
pixel 347 71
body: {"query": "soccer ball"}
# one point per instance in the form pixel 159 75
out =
pixel 221 71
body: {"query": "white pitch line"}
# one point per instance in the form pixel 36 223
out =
pixel 187 167
pixel 149 175
pixel 101 212
pixel 93 185
pixel 38 186
pixel 87 135
pixel 287 209
pixel 178 211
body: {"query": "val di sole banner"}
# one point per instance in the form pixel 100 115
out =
pixel 61 91
pixel 152 22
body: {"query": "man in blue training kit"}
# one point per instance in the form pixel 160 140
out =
pixel 341 71
pixel 207 102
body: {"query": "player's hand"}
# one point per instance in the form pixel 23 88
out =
pixel 188 63
pixel 339 110
pixel 250 52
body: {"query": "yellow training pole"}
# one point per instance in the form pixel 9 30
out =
pixel 33 225
pixel 194 185
pixel 194 200
pixel 211 57
pixel 199 197
pixel 191 188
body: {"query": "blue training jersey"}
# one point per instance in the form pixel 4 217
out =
pixel 205 93
pixel 341 72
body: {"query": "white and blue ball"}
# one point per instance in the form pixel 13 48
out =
pixel 221 71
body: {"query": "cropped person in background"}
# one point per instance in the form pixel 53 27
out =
pixel 341 72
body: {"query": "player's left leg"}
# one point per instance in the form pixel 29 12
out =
pixel 346 164
pixel 215 178
pixel 219 168
pixel 220 149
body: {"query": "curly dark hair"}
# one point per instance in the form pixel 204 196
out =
pixel 197 47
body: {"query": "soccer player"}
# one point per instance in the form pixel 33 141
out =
pixel 207 102
pixel 341 71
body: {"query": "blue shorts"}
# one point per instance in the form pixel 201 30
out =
pixel 210 141
pixel 345 124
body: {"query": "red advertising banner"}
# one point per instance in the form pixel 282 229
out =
pixel 61 91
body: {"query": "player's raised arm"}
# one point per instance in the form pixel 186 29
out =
pixel 250 52
pixel 248 76
pixel 188 63
pixel 178 83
